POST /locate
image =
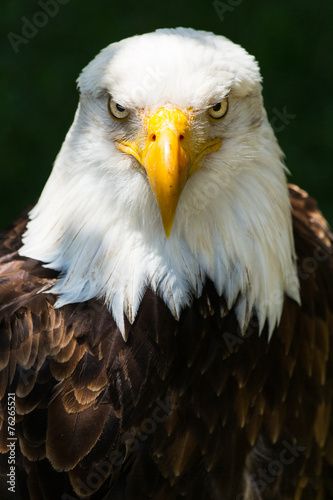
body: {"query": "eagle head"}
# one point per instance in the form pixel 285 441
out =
pixel 170 175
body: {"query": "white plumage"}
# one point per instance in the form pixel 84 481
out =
pixel 97 220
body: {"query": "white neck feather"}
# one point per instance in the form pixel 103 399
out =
pixel 233 225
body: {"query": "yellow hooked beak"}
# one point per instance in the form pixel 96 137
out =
pixel 170 156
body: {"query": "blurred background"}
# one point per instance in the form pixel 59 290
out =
pixel 46 43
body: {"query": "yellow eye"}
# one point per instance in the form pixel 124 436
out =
pixel 116 110
pixel 219 110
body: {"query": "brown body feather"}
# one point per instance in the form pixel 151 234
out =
pixel 184 409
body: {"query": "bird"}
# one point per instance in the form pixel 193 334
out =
pixel 166 306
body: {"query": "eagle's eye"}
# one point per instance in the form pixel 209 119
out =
pixel 219 110
pixel 117 111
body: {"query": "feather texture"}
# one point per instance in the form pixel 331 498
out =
pixel 196 366
pixel 189 407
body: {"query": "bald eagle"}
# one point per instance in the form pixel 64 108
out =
pixel 166 307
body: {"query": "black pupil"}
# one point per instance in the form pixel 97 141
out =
pixel 120 108
pixel 217 107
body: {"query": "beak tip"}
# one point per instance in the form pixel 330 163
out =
pixel 167 231
pixel 167 213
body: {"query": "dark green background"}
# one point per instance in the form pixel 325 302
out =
pixel 291 39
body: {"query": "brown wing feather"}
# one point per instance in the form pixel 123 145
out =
pixel 74 377
pixel 298 423
pixel 190 408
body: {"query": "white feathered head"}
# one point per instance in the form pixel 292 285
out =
pixel 169 175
